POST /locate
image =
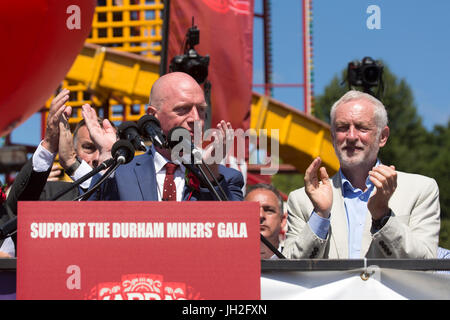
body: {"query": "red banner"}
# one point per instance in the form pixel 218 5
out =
pixel 138 250
pixel 226 35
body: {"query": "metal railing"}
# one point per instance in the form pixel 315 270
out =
pixel 129 25
pixel 351 264
pixel 9 264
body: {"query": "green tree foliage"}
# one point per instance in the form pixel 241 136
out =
pixel 411 147
pixel 444 235
pixel 438 167
pixel 287 183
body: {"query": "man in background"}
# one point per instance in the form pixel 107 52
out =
pixel 272 218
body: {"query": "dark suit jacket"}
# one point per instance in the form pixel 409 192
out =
pixel 30 185
pixel 4 217
pixel 136 181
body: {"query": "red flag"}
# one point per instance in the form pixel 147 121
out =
pixel 226 35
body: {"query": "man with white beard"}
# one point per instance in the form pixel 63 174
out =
pixel 368 209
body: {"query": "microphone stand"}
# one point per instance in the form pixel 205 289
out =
pixel 263 239
pixel 104 165
pixel 194 168
pixel 203 178
pixel 272 248
pixel 224 196
pixel 10 227
pixel 88 193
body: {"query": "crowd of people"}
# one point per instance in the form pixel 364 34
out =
pixel 367 209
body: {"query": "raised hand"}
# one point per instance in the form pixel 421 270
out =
pixel 54 173
pixel 67 155
pixel 103 135
pixel 385 180
pixel 318 190
pixel 55 114
pixel 215 152
pixel 4 255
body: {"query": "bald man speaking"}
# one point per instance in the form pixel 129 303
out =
pixel 176 100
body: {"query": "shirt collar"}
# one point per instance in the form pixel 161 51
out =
pixel 348 187
pixel 160 161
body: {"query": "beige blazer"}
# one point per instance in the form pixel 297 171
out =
pixel 412 231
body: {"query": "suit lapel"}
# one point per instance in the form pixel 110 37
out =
pixel 338 221
pixel 146 178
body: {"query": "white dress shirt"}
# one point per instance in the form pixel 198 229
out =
pixel 43 160
pixel 179 175
pixel 8 247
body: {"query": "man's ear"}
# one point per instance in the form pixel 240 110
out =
pixel 284 220
pixel 151 110
pixel 384 136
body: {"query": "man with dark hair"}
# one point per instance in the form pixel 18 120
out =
pixel 74 152
pixel 272 218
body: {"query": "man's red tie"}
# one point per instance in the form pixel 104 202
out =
pixel 169 188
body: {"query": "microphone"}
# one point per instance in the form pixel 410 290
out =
pixel 8 229
pixel 128 130
pixel 104 165
pixel 150 127
pixel 123 151
pixel 180 137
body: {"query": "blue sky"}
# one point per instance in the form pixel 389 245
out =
pixel 413 41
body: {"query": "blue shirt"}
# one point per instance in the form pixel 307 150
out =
pixel 443 253
pixel 355 202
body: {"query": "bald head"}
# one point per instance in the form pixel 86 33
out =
pixel 165 86
pixel 177 100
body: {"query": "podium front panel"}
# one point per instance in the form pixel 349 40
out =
pixel 138 250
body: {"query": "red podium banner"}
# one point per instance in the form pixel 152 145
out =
pixel 138 250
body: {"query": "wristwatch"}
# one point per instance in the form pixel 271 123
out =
pixel 378 224
pixel 70 171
